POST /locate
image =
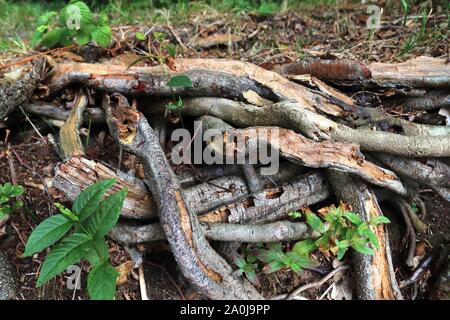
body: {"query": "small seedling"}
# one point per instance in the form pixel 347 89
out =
pixel 90 219
pixel 248 267
pixel 8 203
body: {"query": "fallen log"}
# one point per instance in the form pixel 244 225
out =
pixel 374 275
pixel 198 262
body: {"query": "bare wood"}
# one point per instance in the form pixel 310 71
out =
pixel 77 173
pixel 272 204
pixel 69 136
pixel 375 278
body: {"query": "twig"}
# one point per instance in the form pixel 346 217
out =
pixel 180 292
pixel 142 284
pixel 313 284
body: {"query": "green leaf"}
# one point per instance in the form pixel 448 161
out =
pixel 274 266
pixel 361 245
pixel 372 237
pixel 140 36
pixel 171 49
pixel 67 212
pixel 74 13
pixel 341 252
pixel 295 215
pixel 54 37
pixel 96 251
pixel 314 222
pixel 105 217
pixel 47 233
pixel 304 247
pixel 342 244
pixel 45 18
pixel 252 277
pixel 379 219
pixel 83 38
pixel 88 200
pixel 68 252
pixel 101 283
pixel 102 19
pixel 353 218
pixel 180 81
pixel 298 261
pixel 239 261
pixel 102 35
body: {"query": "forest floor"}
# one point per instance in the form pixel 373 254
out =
pixel 265 40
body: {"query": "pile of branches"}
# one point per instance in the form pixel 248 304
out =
pixel 351 146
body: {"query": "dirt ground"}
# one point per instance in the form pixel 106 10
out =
pixel 265 41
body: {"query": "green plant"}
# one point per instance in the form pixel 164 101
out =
pixel 342 229
pixel 248 267
pixel 90 220
pixel 339 230
pixel 415 39
pixel 75 23
pixel 8 203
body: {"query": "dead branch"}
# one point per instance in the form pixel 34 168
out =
pixel 420 72
pixel 198 262
pixel 374 275
pixel 315 126
pixel 434 174
pixel 18 85
pixel 325 154
pixel 272 204
pixel 131 234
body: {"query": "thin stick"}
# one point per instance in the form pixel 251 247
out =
pixel 142 285
pixel 311 285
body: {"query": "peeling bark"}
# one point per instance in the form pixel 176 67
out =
pixel 420 72
pixel 325 154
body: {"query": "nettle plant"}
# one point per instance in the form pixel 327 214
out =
pixel 8 202
pixel 89 221
pixel 74 24
pixel 339 229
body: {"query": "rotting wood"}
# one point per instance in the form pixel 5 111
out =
pixel 420 72
pixel 77 173
pixel 69 137
pixel 374 275
pixel 272 204
pixel 18 85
